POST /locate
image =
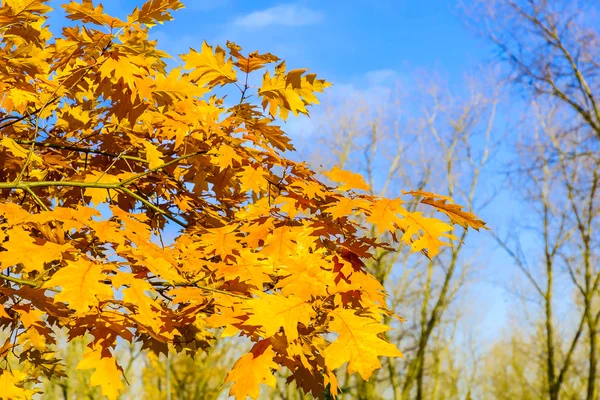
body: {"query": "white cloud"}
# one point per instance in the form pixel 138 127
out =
pixel 284 14
pixel 374 88
pixel 381 77
pixel 370 92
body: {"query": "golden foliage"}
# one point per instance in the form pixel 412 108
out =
pixel 103 150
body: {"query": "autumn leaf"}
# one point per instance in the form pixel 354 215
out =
pixel 209 68
pixel 138 293
pixel 289 91
pixel 273 311
pixel 224 156
pixel 154 11
pixel 254 61
pixel 251 370
pixel 32 253
pixel 153 155
pixel 347 180
pixel 175 87
pixel 81 285
pixel 358 343
pixel 18 151
pixel 19 6
pixel 384 214
pixel 220 241
pixel 253 179
pixel 454 211
pixel 107 374
pixel 284 242
pixel 86 12
pixel 99 195
pixel 346 206
pixel 423 233
pixel 12 384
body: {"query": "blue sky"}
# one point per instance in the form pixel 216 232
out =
pixel 343 41
pixel 339 39
pixel 362 47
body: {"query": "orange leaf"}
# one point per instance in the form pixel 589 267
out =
pixel 80 283
pixel 358 343
pixel 107 372
pixel 271 312
pixel 13 384
pixel 456 214
pixel 348 180
pixel 222 241
pixel 251 370
pixel 384 214
pixel 208 68
pixel 32 253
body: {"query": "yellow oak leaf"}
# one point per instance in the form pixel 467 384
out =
pixel 347 180
pixel 306 278
pixel 80 285
pixel 423 233
pixel 107 372
pixel 157 261
pixel 384 214
pixel 19 151
pixel 208 68
pixel 287 205
pixel 33 337
pixel 456 213
pixel 289 92
pixel 278 94
pixel 138 293
pixel 224 156
pixel 153 155
pixel 251 370
pixel 246 269
pixel 222 241
pixel 425 194
pixel 281 243
pixel 18 6
pixel 309 189
pixel 256 232
pixel 254 179
pixel 345 207
pixel 255 210
pixel 225 320
pixel 20 99
pixel 174 86
pixel 271 312
pixel 253 62
pixel 86 12
pixel 32 253
pixel 29 316
pixel 358 343
pixel 154 11
pixel 12 383
pixel 120 68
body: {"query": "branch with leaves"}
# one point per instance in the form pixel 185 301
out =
pixel 95 124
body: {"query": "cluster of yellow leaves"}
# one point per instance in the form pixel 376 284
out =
pixel 104 150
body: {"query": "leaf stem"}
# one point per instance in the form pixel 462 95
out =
pixel 18 280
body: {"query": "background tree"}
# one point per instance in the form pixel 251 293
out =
pixel 200 377
pixel 395 145
pixel 551 50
